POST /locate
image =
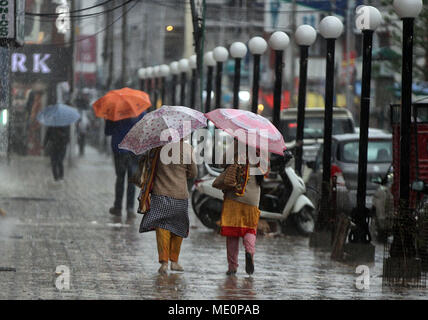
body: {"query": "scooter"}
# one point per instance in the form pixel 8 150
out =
pixel 282 200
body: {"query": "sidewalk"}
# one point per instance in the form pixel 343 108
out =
pixel 50 224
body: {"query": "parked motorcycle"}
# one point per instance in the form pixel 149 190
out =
pixel 282 200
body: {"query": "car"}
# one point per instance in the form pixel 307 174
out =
pixel 313 135
pixel 344 165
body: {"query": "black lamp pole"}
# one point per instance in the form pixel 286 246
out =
pixel 193 89
pixel 173 89
pixel 256 77
pixel 183 88
pixel 403 243
pixel 149 86
pixel 278 88
pixel 163 84
pixel 324 217
pixel 360 235
pixel 219 76
pixel 364 126
pixel 142 84
pixel 156 91
pixel 236 83
pixel 406 105
pixel 209 88
pixel 301 105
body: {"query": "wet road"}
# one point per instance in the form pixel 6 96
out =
pixel 50 224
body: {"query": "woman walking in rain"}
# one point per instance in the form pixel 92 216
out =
pixel 164 195
pixel 168 213
pixel 240 213
pixel 55 144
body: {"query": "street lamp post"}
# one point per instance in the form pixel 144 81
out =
pixel 278 42
pixel 193 66
pixel 330 28
pixel 403 251
pixel 407 10
pixel 142 77
pixel 220 55
pixel 210 62
pixel 164 71
pixel 174 71
pixel 156 73
pixel 149 82
pixel 238 50
pixel 359 246
pixel 305 37
pixel 257 46
pixel 183 67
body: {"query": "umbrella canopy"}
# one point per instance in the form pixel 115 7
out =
pixel 58 115
pixel 122 104
pixel 177 121
pixel 233 121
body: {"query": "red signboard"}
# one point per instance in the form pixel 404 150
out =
pixel 86 50
pixel 86 59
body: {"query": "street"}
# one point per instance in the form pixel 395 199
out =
pixel 51 224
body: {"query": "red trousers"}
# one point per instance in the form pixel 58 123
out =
pixel 232 244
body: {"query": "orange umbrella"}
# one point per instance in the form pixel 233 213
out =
pixel 122 104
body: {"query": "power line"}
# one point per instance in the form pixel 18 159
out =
pixel 56 14
pixel 100 31
pixel 51 17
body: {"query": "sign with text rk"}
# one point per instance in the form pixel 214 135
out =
pixel 41 62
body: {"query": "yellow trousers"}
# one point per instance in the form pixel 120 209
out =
pixel 168 245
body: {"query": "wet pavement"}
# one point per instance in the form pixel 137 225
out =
pixel 50 224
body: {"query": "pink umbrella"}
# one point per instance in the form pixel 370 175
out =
pixel 234 121
pixel 164 125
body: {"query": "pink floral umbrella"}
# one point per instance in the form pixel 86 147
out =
pixel 164 125
pixel 235 121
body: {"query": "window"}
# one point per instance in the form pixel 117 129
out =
pixel 314 128
pixel 377 151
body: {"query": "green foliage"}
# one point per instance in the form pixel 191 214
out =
pixel 420 40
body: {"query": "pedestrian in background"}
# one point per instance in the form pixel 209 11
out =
pixel 125 163
pixel 168 212
pixel 55 144
pixel 240 214
pixel 82 129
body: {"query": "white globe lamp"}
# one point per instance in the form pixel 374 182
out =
pixel 279 41
pixel 192 62
pixel 164 70
pixel 257 45
pixel 371 20
pixel 142 73
pixel 407 8
pixel 330 27
pixel 183 65
pixel 209 59
pixel 174 67
pixel 238 50
pixel 305 35
pixel 220 54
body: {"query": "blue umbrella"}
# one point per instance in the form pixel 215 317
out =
pixel 58 115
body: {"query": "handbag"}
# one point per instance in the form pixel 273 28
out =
pixel 228 179
pixel 138 176
pixel 144 179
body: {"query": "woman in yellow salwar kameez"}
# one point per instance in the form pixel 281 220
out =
pixel 240 215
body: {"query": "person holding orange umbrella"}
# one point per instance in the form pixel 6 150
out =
pixel 122 109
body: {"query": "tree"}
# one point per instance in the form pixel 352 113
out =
pixel 420 40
